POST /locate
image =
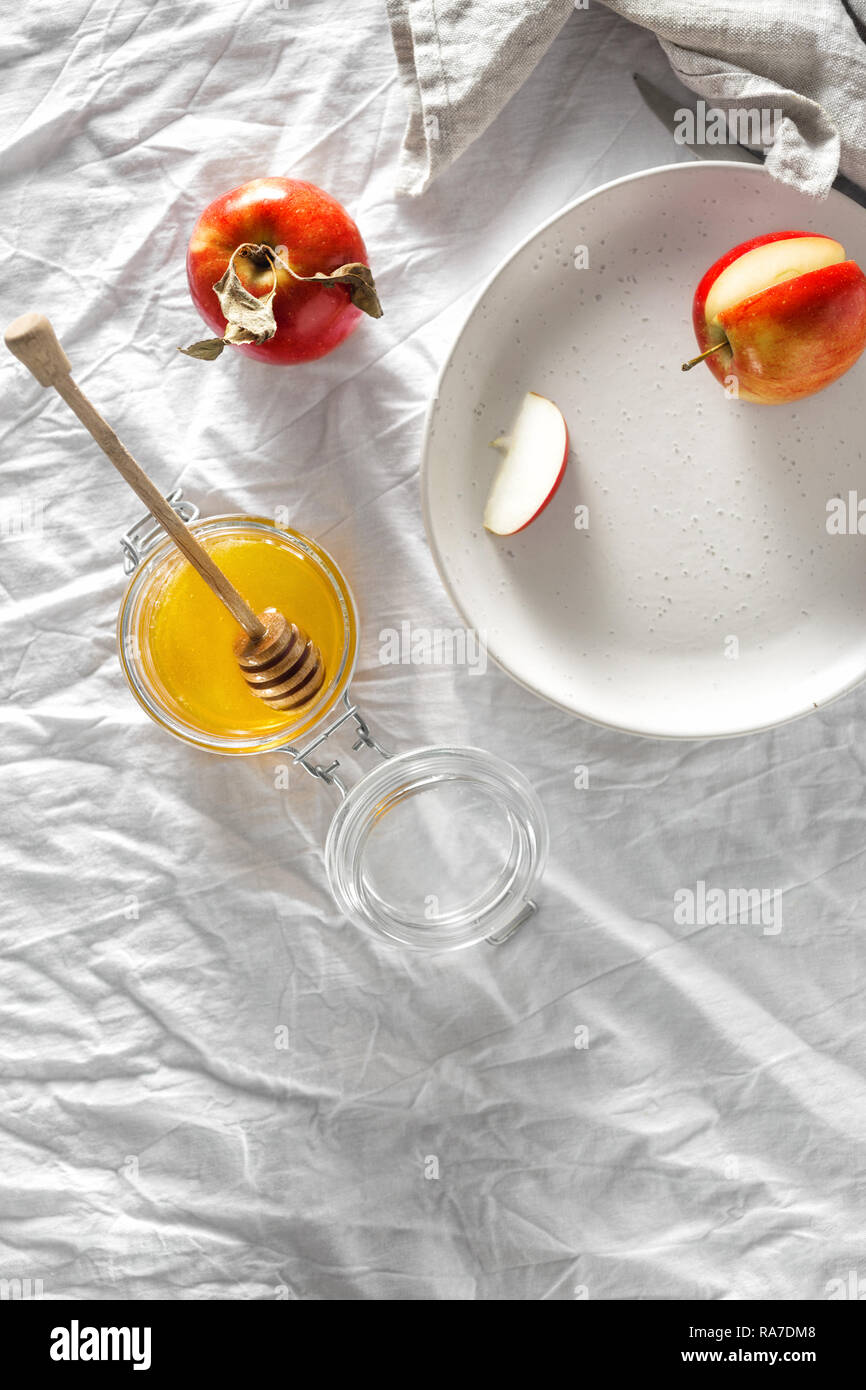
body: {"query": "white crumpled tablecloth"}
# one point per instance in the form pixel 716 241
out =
pixel 165 912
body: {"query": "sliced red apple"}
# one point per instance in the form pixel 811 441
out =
pixel 533 462
pixel 782 315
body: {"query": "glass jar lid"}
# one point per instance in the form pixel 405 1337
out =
pixel 438 848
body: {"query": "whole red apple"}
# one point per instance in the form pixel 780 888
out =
pixel 783 314
pixel 303 226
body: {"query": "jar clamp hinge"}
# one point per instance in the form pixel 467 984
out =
pixel 327 772
pixel 140 537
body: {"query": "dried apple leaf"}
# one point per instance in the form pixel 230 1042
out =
pixel 358 280
pixel 248 319
pixel 207 350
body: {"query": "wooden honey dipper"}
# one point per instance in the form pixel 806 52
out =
pixel 280 663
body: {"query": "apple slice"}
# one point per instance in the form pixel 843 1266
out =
pixel 533 462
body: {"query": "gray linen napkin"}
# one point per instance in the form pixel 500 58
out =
pixel 461 60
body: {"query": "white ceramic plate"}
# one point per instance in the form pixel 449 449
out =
pixel 708 516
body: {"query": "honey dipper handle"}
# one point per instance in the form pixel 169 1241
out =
pixel 33 341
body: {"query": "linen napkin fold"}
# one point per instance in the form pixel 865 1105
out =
pixel 460 61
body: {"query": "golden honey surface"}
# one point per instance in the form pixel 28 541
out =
pixel 190 634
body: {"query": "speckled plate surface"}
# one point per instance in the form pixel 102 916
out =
pixel 706 597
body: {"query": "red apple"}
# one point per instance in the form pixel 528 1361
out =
pixel 533 462
pixel 787 312
pixel 306 227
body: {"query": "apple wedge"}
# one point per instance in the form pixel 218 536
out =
pixel 534 455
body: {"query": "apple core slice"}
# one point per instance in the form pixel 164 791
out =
pixel 534 457
pixel 768 265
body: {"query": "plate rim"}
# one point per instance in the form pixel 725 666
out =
pixel 761 171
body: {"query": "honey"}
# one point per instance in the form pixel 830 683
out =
pixel 185 635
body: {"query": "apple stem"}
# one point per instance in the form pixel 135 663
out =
pixel 262 257
pixel 687 366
